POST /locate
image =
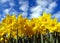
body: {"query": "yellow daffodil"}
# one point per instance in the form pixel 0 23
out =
pixel 25 27
pixel 43 29
pixel 45 18
pixel 58 27
pixel 52 25
pixel 14 34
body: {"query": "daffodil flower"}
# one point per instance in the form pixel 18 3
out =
pixel 52 26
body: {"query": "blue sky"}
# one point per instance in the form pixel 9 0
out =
pixel 29 8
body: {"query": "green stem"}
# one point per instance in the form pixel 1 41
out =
pixel 17 37
pixel 26 39
pixel 47 36
pixel 41 38
pixel 10 38
pixel 51 38
pixel 4 38
pixel 56 37
pixel 34 39
pixel 56 40
pixel 22 40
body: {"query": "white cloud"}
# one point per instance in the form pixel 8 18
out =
pixel 4 1
pixel 11 4
pixel 10 11
pixel 24 14
pixel 36 11
pixel 35 15
pixel 22 2
pixel 42 3
pixel 57 15
pixel 2 17
pixel 13 11
pixel 33 9
pixel 48 10
pixel 42 6
pixel 6 11
pixel 52 5
pixel 24 7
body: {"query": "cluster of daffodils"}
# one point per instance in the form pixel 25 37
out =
pixel 25 27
